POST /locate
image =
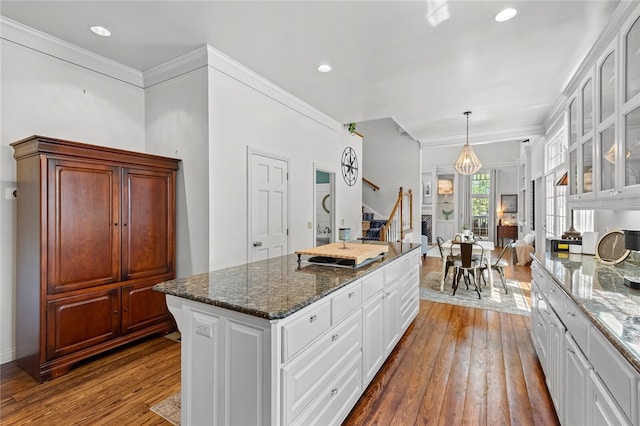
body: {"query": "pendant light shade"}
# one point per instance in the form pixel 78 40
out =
pixel 467 163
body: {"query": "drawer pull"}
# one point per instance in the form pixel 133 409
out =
pixel 351 294
pixel 312 318
pixel 571 313
pixel 570 350
pixel 388 294
pixel 334 337
pixel 552 290
pixel 334 391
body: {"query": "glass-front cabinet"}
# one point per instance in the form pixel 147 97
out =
pixel 630 120
pixel 603 123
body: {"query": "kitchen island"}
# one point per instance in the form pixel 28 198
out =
pixel 279 342
pixel 585 326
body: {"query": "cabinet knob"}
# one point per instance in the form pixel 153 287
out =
pixel 351 294
pixel 124 224
pixel 334 337
pixel 257 243
pixel 115 312
pixel 115 224
pixel 334 391
pixel 312 318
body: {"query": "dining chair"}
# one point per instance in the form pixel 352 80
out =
pixel 448 259
pixel 498 264
pixel 467 267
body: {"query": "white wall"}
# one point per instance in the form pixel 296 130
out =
pixel 248 112
pixel 177 126
pixel 54 95
pixel 390 160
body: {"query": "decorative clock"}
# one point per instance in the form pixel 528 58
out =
pixel 349 166
pixel 610 249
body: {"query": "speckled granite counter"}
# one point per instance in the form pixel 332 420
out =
pixel 600 293
pixel 273 288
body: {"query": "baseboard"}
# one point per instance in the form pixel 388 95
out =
pixel 7 356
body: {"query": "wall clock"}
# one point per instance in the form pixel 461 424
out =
pixel 610 249
pixel 349 166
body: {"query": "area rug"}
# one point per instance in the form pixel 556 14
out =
pixel 169 409
pixel 433 252
pixel 513 302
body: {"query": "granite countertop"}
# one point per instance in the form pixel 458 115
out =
pixel 274 288
pixel 600 293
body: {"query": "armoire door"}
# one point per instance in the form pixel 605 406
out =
pixel 83 229
pixel 148 223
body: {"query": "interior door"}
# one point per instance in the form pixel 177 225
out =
pixel 268 221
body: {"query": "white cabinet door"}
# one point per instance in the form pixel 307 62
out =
pixel 576 378
pixel 374 342
pixel 603 410
pixel 392 316
pixel 555 360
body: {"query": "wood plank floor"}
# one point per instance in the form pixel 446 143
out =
pixel 454 366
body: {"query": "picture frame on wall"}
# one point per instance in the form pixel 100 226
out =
pixel 509 203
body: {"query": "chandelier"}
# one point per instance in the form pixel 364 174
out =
pixel 468 162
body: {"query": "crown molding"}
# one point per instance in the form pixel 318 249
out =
pixel 30 38
pixel 233 69
pixel 175 67
pixel 625 9
pixel 517 134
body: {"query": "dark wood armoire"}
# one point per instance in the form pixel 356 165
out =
pixel 95 232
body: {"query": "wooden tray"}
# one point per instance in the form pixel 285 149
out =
pixel 355 251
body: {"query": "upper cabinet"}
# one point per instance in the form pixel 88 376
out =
pixel 603 121
pixel 630 114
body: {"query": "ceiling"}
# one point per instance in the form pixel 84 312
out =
pixel 388 61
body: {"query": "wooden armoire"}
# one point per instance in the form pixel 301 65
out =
pixel 95 232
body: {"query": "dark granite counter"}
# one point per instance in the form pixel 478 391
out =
pixel 600 293
pixel 274 288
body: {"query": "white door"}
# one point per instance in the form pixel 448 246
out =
pixel 268 223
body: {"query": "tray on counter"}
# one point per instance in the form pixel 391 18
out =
pixel 352 256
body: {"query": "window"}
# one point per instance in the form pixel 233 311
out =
pixel 555 209
pixel 480 185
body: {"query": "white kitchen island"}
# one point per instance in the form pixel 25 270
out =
pixel 276 342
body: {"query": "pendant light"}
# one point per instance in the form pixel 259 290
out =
pixel 467 163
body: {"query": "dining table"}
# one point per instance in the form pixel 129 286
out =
pixel 481 247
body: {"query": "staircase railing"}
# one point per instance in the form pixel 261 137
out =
pixel 400 220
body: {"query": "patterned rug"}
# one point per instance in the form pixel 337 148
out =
pixel 513 302
pixel 169 409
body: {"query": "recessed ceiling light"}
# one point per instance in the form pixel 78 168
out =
pixel 101 31
pixel 505 14
pixel 324 68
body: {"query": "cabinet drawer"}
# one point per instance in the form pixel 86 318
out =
pixel 334 401
pixel 616 374
pixel 410 308
pixel 577 323
pixel 346 301
pixel 556 297
pixel 372 284
pixel 304 378
pixel 408 283
pixel 305 328
pixel 398 268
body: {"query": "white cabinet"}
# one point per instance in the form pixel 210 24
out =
pixel 374 341
pixel 602 408
pixel 575 380
pixel 308 368
pixel 588 380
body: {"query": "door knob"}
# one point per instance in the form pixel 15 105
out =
pixel 257 243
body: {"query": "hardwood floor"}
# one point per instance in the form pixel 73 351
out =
pixel 454 366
